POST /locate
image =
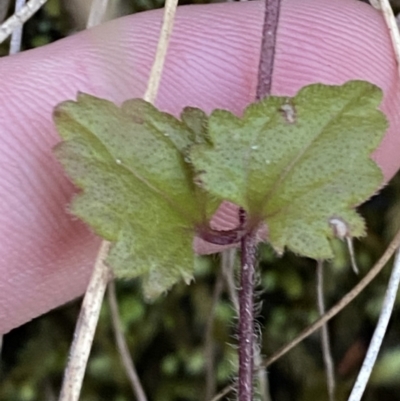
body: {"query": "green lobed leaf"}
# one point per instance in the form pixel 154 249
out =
pixel 296 163
pixel 150 181
pixel 138 190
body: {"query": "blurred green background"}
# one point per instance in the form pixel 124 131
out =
pixel 168 339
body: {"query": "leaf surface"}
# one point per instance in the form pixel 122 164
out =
pixel 138 190
pixel 297 163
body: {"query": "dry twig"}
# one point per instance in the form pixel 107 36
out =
pixel 123 346
pixel 391 24
pixel 325 343
pixel 16 37
pixel 228 270
pixel 97 12
pixel 89 314
pixel 19 18
pixel 161 52
pixel 85 328
pixel 209 353
pixel 379 333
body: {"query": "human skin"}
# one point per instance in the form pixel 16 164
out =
pixel 45 254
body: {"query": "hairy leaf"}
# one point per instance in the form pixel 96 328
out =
pixel 299 164
pixel 138 190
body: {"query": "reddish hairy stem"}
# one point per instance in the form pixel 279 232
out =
pixel 267 54
pixel 248 242
pixel 246 316
pixel 247 237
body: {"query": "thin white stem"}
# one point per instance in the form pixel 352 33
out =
pixel 325 342
pixel 123 346
pixel 161 52
pixel 391 24
pixel 90 309
pixel 379 333
pixel 85 328
pixel 16 37
pixel 19 18
pixel 228 266
pixel 349 242
pixel 209 353
pixel 262 376
pixel 97 11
